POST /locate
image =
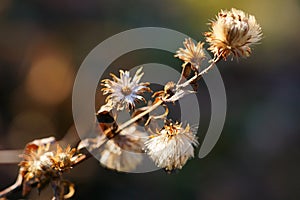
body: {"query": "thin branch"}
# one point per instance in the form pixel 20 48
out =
pixel 137 117
pixel 197 75
pixel 13 187
pixel 159 102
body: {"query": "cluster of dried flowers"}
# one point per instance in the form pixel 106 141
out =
pixel 121 146
pixel 42 164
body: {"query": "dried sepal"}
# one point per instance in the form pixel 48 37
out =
pixel 107 120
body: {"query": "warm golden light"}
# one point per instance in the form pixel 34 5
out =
pixel 50 79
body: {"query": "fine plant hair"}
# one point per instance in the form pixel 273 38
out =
pixel 168 143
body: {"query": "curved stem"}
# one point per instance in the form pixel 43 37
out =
pixel 13 187
pixel 137 117
pixel 159 102
pixel 196 76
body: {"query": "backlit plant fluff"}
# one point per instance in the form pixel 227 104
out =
pixel 233 32
pixel 193 54
pixel 122 146
pixel 172 146
pixel 125 91
pixel 42 165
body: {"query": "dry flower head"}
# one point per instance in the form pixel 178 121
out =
pixel 125 91
pixel 172 146
pixel 63 160
pixel 41 165
pixel 233 32
pixel 193 54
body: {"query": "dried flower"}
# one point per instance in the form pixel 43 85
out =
pixel 41 165
pixel 125 91
pixel 123 152
pixel 34 166
pixel 192 54
pixel 172 146
pixel 233 32
pixel 63 160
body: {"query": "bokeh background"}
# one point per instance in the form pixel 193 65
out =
pixel 43 43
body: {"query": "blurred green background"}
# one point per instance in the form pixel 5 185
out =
pixel 43 43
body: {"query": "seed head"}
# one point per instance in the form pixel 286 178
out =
pixel 233 32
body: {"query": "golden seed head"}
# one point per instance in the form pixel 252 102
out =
pixel 193 54
pixel 233 32
pixel 172 146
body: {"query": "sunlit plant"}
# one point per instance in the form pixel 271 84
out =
pixel 169 143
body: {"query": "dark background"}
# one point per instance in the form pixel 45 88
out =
pixel 43 43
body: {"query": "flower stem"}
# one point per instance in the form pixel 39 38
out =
pixel 159 102
pixel 137 117
pixel 13 187
pixel 197 76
